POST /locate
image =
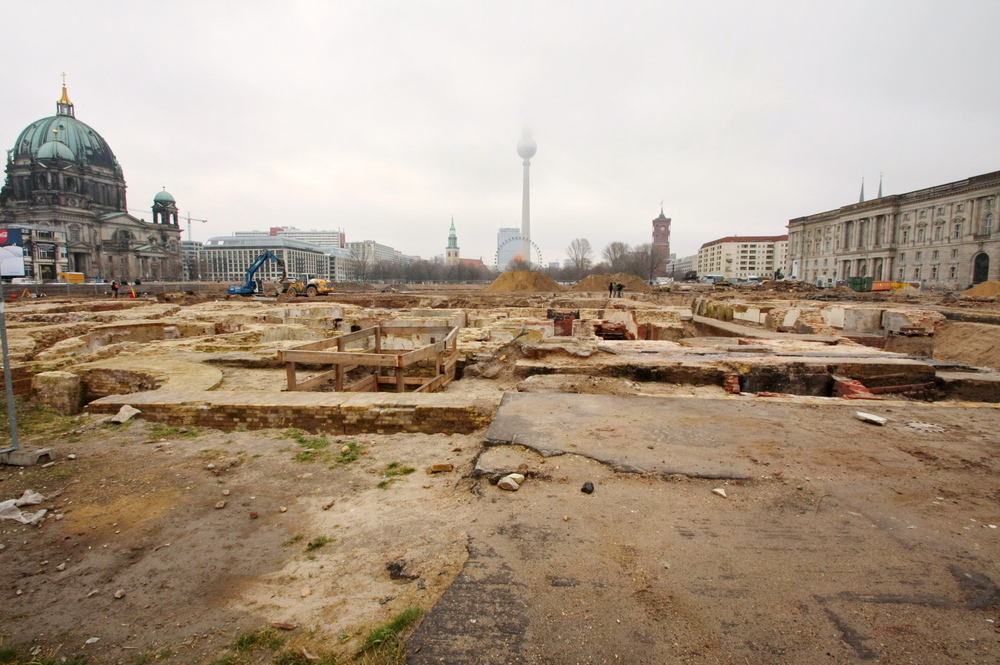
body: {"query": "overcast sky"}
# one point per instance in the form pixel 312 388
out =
pixel 387 119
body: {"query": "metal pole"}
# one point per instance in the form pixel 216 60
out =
pixel 7 381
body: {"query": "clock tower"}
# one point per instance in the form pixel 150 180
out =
pixel 661 232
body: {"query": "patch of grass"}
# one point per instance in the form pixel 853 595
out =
pixel 266 637
pixel 385 638
pixel 397 469
pixel 14 656
pixel 163 654
pixel 352 452
pixel 311 450
pixel 34 419
pixel 143 658
pixel 294 539
pixel 392 472
pixel 161 431
pixel 317 542
pixel 297 658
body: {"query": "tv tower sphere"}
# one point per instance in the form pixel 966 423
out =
pixel 526 147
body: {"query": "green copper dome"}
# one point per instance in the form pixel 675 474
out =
pixel 163 197
pixel 55 150
pixel 84 144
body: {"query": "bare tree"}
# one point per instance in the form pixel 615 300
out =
pixel 649 259
pixel 361 264
pixel 581 256
pixel 616 254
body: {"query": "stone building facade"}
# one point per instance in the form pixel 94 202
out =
pixel 66 191
pixel 942 237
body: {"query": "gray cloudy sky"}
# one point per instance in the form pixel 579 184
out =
pixel 388 118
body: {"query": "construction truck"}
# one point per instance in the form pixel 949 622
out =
pixel 314 287
pixel 251 285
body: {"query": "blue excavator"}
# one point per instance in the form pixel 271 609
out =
pixel 286 288
pixel 252 286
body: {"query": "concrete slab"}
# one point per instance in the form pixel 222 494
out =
pixel 736 330
pixel 628 433
pixel 27 457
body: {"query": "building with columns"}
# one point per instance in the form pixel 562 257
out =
pixel 942 237
pixel 65 191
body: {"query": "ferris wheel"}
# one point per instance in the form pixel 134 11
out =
pixel 517 249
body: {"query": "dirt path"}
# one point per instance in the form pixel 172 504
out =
pixel 848 543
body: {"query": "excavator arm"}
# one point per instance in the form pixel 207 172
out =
pixel 248 288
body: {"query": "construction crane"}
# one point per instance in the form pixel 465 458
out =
pixel 192 219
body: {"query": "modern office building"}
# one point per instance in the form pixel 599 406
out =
pixel 227 258
pixel 321 238
pixel 740 257
pixel 942 237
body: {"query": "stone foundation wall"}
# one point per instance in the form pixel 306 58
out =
pixel 336 413
pixel 100 382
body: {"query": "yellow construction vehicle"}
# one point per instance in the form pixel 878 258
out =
pixel 314 287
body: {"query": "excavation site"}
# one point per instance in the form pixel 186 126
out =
pixel 521 473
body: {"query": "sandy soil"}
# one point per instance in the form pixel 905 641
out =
pixel 136 511
pixel 976 344
pixel 845 548
pixel 849 542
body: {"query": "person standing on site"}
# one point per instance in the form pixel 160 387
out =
pixel 114 289
pixel 620 287
pixel 611 289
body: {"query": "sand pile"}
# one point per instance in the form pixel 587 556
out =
pixel 984 290
pixel 976 344
pixel 600 282
pixel 518 281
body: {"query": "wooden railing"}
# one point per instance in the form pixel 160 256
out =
pixel 443 350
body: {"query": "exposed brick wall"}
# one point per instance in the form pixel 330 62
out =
pixel 382 414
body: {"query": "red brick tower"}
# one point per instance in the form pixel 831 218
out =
pixel 661 232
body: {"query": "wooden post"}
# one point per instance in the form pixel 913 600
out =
pixel 339 380
pixel 290 373
pixel 400 386
pixel 378 339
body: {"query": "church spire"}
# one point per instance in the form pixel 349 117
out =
pixel 862 198
pixel 64 106
pixel 879 185
pixel 452 236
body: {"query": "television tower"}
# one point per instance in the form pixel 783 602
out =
pixel 526 149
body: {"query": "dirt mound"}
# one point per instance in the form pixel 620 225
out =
pixel 788 286
pixel 354 287
pixel 976 344
pixel 599 282
pixel 984 289
pixel 517 281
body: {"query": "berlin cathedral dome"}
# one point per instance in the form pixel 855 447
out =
pixel 65 192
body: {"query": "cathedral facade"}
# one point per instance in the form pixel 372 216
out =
pixel 65 191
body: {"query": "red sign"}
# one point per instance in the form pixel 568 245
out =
pixel 3 236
